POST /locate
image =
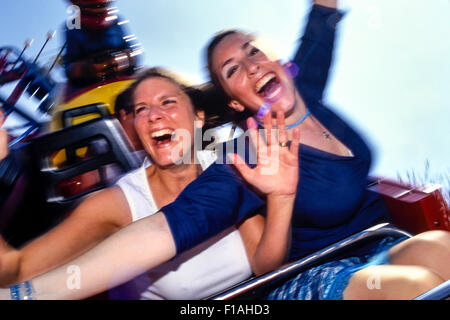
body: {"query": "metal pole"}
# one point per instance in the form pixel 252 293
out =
pixel 27 44
pixel 57 58
pixel 50 35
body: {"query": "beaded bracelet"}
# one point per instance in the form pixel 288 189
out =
pixel 22 291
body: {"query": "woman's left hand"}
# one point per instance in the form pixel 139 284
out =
pixel 277 169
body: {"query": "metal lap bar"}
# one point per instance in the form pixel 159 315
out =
pixel 380 230
pixel 440 292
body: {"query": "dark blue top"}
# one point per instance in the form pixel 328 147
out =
pixel 216 200
pixel 332 201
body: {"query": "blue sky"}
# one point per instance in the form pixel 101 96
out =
pixel 390 78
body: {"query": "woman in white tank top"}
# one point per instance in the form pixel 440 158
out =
pixel 190 275
pixel 165 109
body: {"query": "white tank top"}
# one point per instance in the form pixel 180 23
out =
pixel 206 269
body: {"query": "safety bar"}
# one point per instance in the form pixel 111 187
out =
pixel 440 292
pixel 249 289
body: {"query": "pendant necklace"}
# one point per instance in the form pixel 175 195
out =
pixel 325 133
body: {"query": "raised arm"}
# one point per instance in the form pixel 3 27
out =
pixel 95 218
pixel 326 3
pixel 314 55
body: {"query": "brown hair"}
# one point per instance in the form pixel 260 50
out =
pixel 124 101
pixel 218 106
pixel 201 96
pixel 193 92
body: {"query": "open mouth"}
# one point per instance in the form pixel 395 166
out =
pixel 162 137
pixel 268 87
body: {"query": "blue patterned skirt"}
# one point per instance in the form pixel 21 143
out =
pixel 329 280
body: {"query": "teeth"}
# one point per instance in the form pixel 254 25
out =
pixel 261 83
pixel 161 133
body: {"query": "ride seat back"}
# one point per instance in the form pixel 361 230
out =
pixel 95 109
pixel 80 114
pixel 105 134
pixel 53 191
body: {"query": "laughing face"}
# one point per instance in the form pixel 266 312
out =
pixel 162 110
pixel 250 78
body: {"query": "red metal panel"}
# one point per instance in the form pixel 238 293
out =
pixel 413 209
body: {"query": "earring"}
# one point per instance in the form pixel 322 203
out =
pixel 291 69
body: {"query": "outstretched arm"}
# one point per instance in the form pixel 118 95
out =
pixel 314 56
pixel 195 216
pixel 95 218
pixel 126 254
